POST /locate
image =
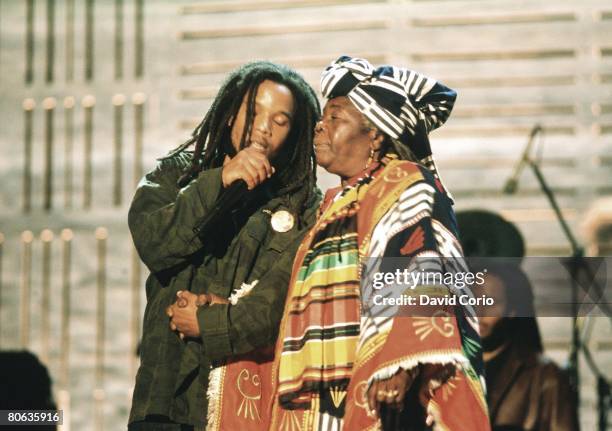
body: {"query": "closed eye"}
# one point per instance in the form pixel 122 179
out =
pixel 281 121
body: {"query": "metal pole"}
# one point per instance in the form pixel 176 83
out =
pixel 26 283
pixel 138 100
pixel 577 252
pixel 68 149
pixel 118 103
pixel 46 238
pixel 89 40
pixel 29 51
pixel 50 54
pixel 88 104
pixel 139 39
pixel 69 40
pixel 28 110
pixel 101 238
pixel 118 39
pixel 49 106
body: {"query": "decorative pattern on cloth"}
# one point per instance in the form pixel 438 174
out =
pixel 332 345
pixel 239 397
pixel 404 104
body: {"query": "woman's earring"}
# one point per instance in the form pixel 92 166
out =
pixel 370 158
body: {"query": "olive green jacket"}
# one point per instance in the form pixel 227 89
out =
pixel 163 219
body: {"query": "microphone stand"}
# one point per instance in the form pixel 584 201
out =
pixel 604 396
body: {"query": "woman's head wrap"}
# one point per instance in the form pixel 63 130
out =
pixel 401 103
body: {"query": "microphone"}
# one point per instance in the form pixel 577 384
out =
pixel 512 183
pixel 237 191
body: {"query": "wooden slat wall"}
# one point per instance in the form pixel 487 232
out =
pixel 514 64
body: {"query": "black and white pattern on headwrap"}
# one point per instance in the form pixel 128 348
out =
pixel 402 103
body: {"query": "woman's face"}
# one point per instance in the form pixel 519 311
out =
pixel 342 142
pixel 272 119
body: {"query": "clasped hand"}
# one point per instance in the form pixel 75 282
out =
pixel 392 391
pixel 183 313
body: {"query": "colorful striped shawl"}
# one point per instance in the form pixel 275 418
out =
pixel 329 347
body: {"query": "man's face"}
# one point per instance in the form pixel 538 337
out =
pixel 342 143
pixel 272 119
pixel 491 315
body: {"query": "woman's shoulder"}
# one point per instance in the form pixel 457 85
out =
pixel 404 165
pixel 406 168
pixel 410 173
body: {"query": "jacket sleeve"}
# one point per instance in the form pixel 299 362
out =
pixel 162 217
pixel 254 321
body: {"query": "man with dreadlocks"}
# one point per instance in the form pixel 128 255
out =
pixel 216 293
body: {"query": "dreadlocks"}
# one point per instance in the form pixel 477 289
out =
pixel 297 172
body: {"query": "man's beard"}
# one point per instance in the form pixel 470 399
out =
pixel 500 335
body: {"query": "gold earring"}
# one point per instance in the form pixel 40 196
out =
pixel 370 158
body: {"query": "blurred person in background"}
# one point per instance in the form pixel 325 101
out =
pixel 526 391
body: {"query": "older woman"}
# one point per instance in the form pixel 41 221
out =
pixel 341 362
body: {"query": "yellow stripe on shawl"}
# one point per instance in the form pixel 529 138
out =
pixel 341 274
pixel 318 353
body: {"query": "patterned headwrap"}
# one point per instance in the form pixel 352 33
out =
pixel 402 103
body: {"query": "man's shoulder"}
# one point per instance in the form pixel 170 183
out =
pixel 178 158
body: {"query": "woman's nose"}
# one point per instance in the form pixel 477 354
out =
pixel 318 126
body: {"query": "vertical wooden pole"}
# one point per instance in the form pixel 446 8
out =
pixel 139 39
pixel 69 40
pixel 138 100
pixel 1 284
pixel 1 38
pixel 63 395
pixel 29 48
pixel 136 286
pixel 118 39
pixel 99 394
pixel 118 103
pixel 49 107
pixel 68 150
pixel 88 105
pixel 50 52
pixel 26 283
pixel 28 110
pixel 66 237
pixel 46 238
pixel 89 40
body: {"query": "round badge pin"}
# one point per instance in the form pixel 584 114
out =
pixel 282 221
